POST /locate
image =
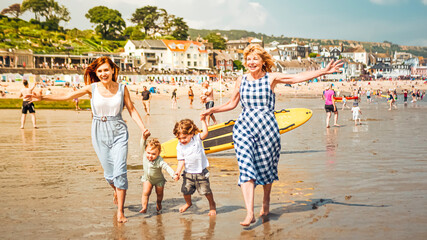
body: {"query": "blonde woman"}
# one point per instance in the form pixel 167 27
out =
pixel 256 134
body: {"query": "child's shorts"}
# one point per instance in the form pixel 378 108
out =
pixel 193 181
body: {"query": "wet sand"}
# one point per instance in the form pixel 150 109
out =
pixel 348 182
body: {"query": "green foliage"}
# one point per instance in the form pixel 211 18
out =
pixel 108 22
pixel 134 33
pixel 217 40
pixel 237 64
pixel 50 10
pixel 312 55
pixel 180 27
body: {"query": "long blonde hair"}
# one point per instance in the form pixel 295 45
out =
pixel 265 56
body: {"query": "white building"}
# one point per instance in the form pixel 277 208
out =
pixel 183 55
pixel 358 54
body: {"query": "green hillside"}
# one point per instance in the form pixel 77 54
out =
pixel 20 34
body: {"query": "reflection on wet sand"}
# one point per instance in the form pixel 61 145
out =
pixel 188 229
pixel 331 144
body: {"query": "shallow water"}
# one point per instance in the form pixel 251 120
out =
pixel 348 182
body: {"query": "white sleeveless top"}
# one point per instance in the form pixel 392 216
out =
pixel 107 106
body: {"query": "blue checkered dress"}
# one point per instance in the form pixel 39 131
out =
pixel 256 133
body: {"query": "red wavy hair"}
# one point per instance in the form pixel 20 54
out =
pixel 90 73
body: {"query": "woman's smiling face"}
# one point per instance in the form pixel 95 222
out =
pixel 104 73
pixel 254 62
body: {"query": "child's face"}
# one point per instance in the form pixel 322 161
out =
pixel 184 138
pixel 151 153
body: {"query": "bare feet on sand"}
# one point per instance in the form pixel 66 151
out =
pixel 121 217
pixel 159 206
pixel 212 212
pixel 184 208
pixel 248 220
pixel 337 125
pixel 144 210
pixel 265 210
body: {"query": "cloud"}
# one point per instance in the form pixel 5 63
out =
pixel 424 2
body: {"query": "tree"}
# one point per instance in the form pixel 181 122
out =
pixel 180 29
pixel 14 10
pixel 109 22
pixel 133 33
pixel 147 17
pixel 217 40
pixel 49 9
pixel 237 65
pixel 35 6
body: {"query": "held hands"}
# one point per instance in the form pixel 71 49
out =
pixel 333 67
pixel 204 114
pixel 175 177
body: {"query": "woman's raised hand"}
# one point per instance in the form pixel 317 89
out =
pixel 333 67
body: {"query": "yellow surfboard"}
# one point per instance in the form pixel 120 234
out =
pixel 220 136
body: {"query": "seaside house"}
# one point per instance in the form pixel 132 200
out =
pixel 331 51
pixel 223 61
pixel 419 71
pixel 292 51
pixel 182 55
pixel 16 58
pixel 357 54
pixel 296 66
pixel 146 54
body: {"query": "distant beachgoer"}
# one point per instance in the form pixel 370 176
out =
pixel 190 95
pixel 344 103
pixel 368 96
pixel 414 94
pixel 423 94
pixel 330 106
pixel 109 131
pixel 146 97
pixel 174 101
pixel 405 96
pixel 391 100
pixel 153 176
pixel 26 94
pixel 208 92
pixel 256 133
pixel 76 100
pixel 356 113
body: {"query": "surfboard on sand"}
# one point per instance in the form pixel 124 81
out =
pixel 220 136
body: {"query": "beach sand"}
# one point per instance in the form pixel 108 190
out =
pixel 348 182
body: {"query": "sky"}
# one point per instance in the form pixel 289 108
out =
pixel 403 22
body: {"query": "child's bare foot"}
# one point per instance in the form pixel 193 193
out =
pixel 248 220
pixel 115 197
pixel 265 210
pixel 184 207
pixel 121 217
pixel 35 127
pixel 159 206
pixel 212 212
pixel 337 125
pixel 143 210
pixel 22 127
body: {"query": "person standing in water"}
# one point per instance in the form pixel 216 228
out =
pixel 26 94
pixel 109 131
pixel 330 106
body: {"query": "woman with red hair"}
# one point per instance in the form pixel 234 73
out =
pixel 109 131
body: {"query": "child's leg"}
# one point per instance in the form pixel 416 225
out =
pixel 265 210
pixel 146 191
pixel 159 192
pixel 212 204
pixel 187 204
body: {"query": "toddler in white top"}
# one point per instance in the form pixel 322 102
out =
pixel 356 113
pixel 191 154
